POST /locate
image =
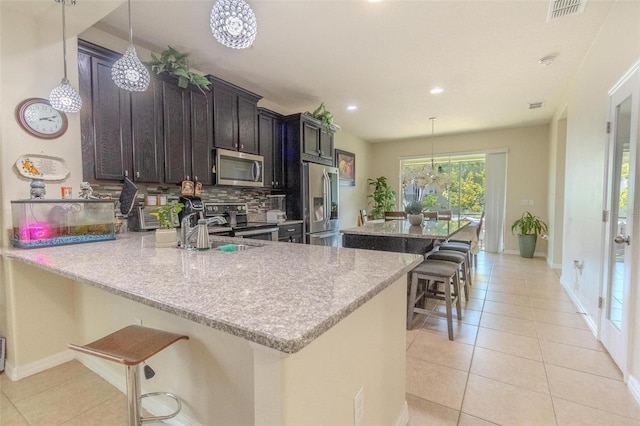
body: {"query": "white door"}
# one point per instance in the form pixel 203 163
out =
pixel 621 229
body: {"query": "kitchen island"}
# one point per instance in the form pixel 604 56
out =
pixel 400 235
pixel 280 334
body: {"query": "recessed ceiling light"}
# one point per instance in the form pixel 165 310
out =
pixel 374 1
pixel 352 107
pixel 436 90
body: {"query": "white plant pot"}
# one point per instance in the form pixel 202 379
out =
pixel 415 219
pixel 166 238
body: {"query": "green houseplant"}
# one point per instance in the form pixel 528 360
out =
pixel 325 117
pixel 166 235
pixel 175 63
pixel 528 227
pixel 414 212
pixel 383 197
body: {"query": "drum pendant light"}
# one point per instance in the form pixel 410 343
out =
pixel 129 73
pixel 64 97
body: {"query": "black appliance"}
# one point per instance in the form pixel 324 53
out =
pixel 237 218
pixel 191 205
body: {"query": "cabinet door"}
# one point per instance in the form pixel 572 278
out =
pixel 225 118
pixel 201 136
pixel 265 139
pixel 278 162
pixel 177 149
pixel 110 115
pixel 310 138
pixel 146 129
pixel 326 146
pixel 247 125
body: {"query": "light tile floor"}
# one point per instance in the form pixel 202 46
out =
pixel 521 356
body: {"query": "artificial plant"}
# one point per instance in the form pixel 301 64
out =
pixel 325 117
pixel 383 197
pixel 176 63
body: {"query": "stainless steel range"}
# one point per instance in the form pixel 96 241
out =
pixel 237 217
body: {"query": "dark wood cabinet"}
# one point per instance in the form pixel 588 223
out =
pixel 290 233
pixel 316 144
pixel 161 135
pixel 105 119
pixel 270 143
pixel 235 117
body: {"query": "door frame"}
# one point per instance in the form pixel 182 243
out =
pixel 629 290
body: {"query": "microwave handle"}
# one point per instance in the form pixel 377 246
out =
pixel 255 171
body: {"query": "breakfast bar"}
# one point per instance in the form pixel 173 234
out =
pixel 400 235
pixel 268 344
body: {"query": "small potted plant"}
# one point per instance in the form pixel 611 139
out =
pixel 166 235
pixel 414 212
pixel 528 227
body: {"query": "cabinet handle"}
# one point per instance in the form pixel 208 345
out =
pixel 126 173
pixel 241 146
pixel 195 178
pixel 291 230
pixel 137 174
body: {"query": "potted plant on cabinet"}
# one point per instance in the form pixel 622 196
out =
pixel 528 227
pixel 414 212
pixel 383 197
pixel 166 235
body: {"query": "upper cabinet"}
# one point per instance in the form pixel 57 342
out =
pixel 235 117
pixel 163 134
pixel 304 134
pixel 270 142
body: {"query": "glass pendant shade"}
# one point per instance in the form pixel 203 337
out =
pixel 129 73
pixel 233 23
pixel 64 97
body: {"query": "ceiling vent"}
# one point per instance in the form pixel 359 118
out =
pixel 560 8
pixel 535 105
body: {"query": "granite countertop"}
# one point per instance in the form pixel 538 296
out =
pixel 402 228
pixel 279 295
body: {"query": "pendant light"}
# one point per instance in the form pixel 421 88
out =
pixel 440 169
pixel 64 97
pixel 129 73
pixel 233 23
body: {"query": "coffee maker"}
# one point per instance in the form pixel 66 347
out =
pixel 191 205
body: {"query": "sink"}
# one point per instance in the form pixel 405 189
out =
pixel 230 247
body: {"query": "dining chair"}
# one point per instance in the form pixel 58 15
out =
pixel 430 215
pixel 444 214
pixel 362 217
pixel 397 215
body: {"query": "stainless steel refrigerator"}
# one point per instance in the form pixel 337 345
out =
pixel 320 200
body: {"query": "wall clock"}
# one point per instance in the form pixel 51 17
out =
pixel 38 118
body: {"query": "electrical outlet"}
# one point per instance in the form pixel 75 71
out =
pixel 358 407
pixel 137 321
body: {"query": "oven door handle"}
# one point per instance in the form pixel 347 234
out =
pixel 256 232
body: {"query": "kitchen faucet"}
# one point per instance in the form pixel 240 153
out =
pixel 186 231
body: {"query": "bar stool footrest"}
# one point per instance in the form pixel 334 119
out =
pixel 165 417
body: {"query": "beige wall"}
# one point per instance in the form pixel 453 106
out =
pixel 527 161
pixel 613 52
pixel 354 198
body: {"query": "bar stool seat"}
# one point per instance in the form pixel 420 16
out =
pixel 438 277
pixel 458 246
pixel 460 259
pixel 131 346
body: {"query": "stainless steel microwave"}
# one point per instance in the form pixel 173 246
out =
pixel 235 168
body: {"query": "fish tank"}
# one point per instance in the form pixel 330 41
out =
pixel 45 223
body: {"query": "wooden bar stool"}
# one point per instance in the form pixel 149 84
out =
pixel 438 277
pixel 460 259
pixel 131 346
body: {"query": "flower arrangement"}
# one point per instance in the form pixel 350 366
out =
pixel 166 214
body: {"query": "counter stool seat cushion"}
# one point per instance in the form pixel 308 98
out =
pixel 460 259
pixel 457 246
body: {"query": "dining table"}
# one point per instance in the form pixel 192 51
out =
pixel 400 235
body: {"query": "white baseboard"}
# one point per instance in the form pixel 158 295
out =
pixel 17 373
pixel 580 308
pixel 634 387
pixel 517 252
pixel 403 417
pixel 118 380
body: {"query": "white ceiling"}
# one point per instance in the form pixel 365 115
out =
pixel 385 57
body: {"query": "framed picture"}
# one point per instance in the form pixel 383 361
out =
pixel 346 164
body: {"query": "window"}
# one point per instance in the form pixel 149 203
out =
pixel 455 183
